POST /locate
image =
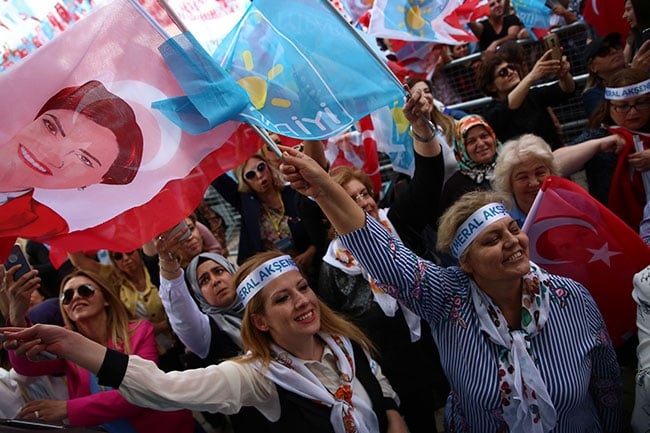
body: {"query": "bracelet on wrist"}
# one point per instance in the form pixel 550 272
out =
pixel 175 270
pixel 420 138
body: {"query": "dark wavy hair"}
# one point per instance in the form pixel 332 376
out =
pixel 485 74
pixel 106 109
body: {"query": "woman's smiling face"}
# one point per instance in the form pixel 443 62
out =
pixel 61 149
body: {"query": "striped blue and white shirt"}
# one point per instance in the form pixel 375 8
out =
pixel 576 357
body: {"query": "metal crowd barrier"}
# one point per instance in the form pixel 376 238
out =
pixel 460 74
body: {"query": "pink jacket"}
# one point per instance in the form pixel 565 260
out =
pixel 86 409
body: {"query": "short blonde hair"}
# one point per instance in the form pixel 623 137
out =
pixel 117 314
pixel 458 212
pixel 344 174
pixel 525 148
pixel 258 342
pixel 243 185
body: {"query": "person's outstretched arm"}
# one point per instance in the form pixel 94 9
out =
pixel 571 159
pixel 56 340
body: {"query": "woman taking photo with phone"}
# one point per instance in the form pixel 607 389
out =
pixel 519 109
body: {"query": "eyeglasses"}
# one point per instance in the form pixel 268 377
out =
pixel 85 291
pixel 503 72
pixel 363 195
pixel 251 174
pixel 120 256
pixel 643 104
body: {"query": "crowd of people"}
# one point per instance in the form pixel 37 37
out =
pixel 330 312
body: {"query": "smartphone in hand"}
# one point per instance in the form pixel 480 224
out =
pixel 552 42
pixel 17 257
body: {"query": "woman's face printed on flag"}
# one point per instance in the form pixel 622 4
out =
pixel 61 149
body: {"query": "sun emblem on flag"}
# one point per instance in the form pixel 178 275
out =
pixel 414 21
pixel 257 87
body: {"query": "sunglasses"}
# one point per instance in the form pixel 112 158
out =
pixel 85 291
pixel 251 174
pixel 120 256
pixel 503 72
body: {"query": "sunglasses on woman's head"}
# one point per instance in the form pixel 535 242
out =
pixel 250 174
pixel 120 256
pixel 85 291
pixel 503 72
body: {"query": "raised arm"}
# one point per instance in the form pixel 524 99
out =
pixel 185 317
pixel 17 294
pixel 571 159
pixel 476 27
pixel 545 65
pixel 308 177
pixel 82 261
pixel 316 150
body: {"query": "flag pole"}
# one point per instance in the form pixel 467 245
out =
pixel 267 139
pixel 365 44
pixel 172 15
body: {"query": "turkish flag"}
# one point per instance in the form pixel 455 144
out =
pixel 606 16
pixel 573 235
pixel 472 10
pixel 356 149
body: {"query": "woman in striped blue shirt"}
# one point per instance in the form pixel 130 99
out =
pixel 524 351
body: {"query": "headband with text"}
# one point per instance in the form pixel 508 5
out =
pixel 475 224
pixel 618 93
pixel 262 275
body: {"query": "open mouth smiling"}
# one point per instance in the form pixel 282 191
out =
pixel 32 162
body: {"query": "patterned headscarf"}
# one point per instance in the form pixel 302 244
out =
pixel 229 318
pixel 527 406
pixel 477 172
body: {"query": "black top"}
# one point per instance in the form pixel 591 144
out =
pixel 457 185
pixel 532 117
pixel 489 35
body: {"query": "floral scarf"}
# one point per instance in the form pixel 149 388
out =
pixel 477 172
pixel 527 406
pixel 349 414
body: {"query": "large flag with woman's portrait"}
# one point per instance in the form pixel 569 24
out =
pixel 85 162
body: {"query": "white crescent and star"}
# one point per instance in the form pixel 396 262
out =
pixel 538 228
pixel 594 6
pixel 603 254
